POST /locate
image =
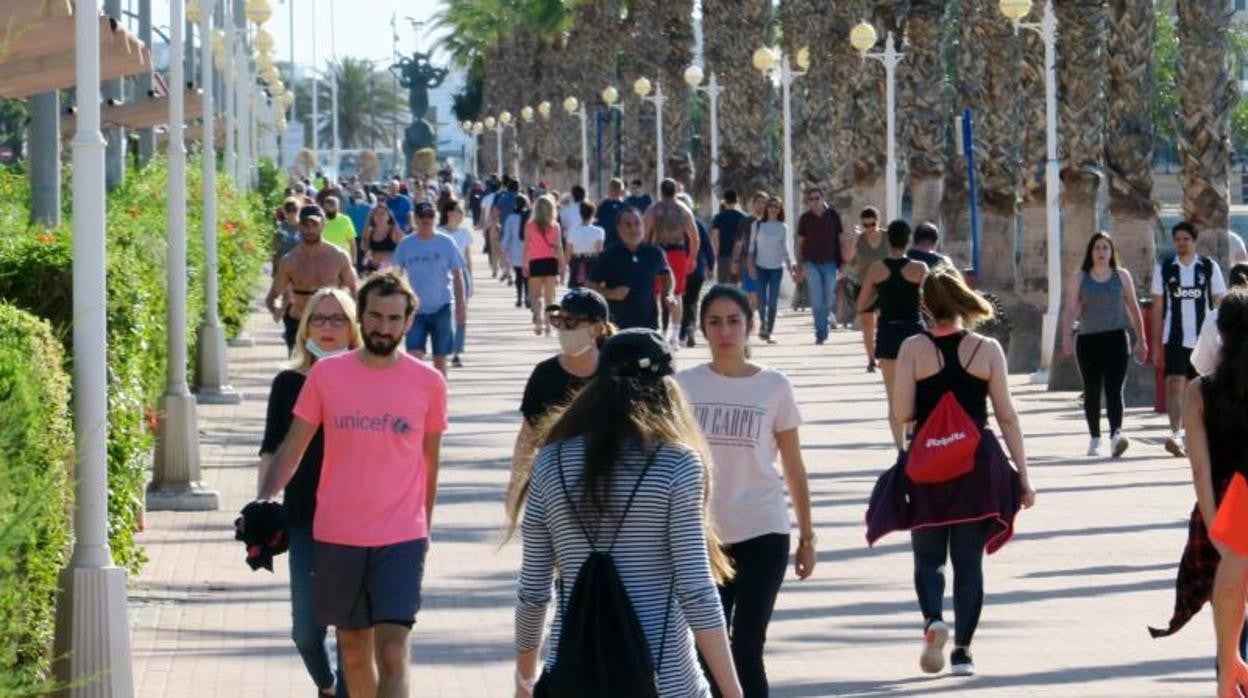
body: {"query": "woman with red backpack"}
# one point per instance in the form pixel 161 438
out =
pixel 954 489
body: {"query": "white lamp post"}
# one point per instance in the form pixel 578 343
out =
pixel 772 62
pixel 93 633
pixel 573 106
pixel 333 92
pixel 491 124
pixel 477 129
pixel 504 120
pixel 642 88
pixel 230 91
pixel 1015 11
pixel 693 78
pixel 863 38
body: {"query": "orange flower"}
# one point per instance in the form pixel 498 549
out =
pixel 230 227
pixel 248 246
pixel 46 238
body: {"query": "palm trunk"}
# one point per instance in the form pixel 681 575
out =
pixel 492 95
pixel 733 30
pixel 1028 317
pixel 590 65
pixel 925 107
pixel 1206 96
pixel 869 130
pixel 1082 77
pixel 810 105
pixel 676 22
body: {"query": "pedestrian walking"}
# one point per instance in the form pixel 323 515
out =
pixel 512 245
pixel 745 237
pixel 544 260
pixel 382 413
pixel 585 243
pixel 570 213
pixel 749 415
pixel 768 259
pixel 286 234
pixel 950 516
pixel 454 224
pixel 328 328
pixel 638 198
pixel 818 253
pixel 705 269
pixel 627 274
pixel 725 228
pixel 1101 298
pixel 622 475
pixel 401 205
pixel 1186 286
pixel 609 210
pixel 672 226
pixel 435 271
pixel 869 247
pixel 310 265
pixel 338 227
pixel 1208 342
pixel 926 244
pixel 380 238
pixel 891 287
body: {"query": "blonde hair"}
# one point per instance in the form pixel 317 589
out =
pixel 544 210
pixel 947 297
pixel 657 413
pixel 300 359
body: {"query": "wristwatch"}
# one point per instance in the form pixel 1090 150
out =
pixel 806 540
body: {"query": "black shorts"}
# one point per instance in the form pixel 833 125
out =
pixel 356 587
pixel 543 267
pixel 1179 362
pixel 854 290
pixel 890 334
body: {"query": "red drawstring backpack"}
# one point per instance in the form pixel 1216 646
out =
pixel 1228 526
pixel 944 447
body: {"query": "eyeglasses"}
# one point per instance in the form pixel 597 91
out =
pixel 814 198
pixel 335 320
pixel 560 321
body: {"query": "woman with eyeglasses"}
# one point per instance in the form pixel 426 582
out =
pixel 868 248
pixel 769 258
pixel 581 321
pixel 327 328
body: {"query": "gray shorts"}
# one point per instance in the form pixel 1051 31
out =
pixel 356 587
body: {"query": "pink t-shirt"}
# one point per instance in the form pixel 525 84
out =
pixel 372 489
pixel 541 245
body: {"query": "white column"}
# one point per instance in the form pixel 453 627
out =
pixel 584 149
pixel 333 90
pixel 212 372
pixel 316 111
pixel 175 482
pixel 712 91
pixel 658 134
pixel 230 92
pixel 93 632
pixel 1052 196
pixel 786 82
pixel 498 134
pixel 891 58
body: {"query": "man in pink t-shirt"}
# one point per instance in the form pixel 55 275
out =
pixel 383 413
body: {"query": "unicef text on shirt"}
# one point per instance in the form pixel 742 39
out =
pixel 1189 293
pixel 945 440
pixel 384 422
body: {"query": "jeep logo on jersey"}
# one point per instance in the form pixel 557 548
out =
pixel 1182 293
pixel 945 440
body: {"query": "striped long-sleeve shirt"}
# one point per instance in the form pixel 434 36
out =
pixel 661 538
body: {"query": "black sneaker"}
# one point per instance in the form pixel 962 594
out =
pixel 690 341
pixel 871 367
pixel 960 662
pixel 456 362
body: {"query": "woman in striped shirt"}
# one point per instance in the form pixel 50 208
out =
pixel 631 414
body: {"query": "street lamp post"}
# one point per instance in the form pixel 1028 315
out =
pixel 1015 10
pixel 610 97
pixel 526 115
pixel 642 88
pixel 228 90
pixel 772 62
pixel 863 38
pixel 573 106
pixel 693 78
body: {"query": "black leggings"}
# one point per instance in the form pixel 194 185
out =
pixel 1102 360
pixel 748 602
pixel 963 544
pixel 522 284
pixel 689 303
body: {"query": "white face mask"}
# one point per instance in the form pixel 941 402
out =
pixel 575 342
pixel 316 351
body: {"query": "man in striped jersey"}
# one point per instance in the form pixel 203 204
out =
pixel 1185 287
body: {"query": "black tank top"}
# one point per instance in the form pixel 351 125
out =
pixel 898 296
pixel 970 391
pixel 386 244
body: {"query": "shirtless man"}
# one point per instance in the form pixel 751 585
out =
pixel 309 266
pixel 670 225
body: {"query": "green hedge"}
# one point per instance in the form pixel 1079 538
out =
pixel 36 451
pixel 35 274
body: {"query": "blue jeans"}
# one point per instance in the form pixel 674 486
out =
pixel 768 297
pixel 460 331
pixel 436 329
pixel 309 636
pixel 821 286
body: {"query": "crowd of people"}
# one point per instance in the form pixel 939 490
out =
pixel 679 487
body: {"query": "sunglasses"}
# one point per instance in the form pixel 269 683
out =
pixel 867 224
pixel 335 320
pixel 559 321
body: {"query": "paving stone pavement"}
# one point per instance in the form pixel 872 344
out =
pixel 1067 602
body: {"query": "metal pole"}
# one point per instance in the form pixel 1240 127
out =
pixel 115 154
pixel 147 136
pixel 786 80
pixel 333 88
pixel 972 186
pixel 498 134
pixel 230 92
pixel 294 80
pixel 1052 194
pixel 602 165
pixel 212 373
pixel 584 148
pixel 316 113
pixel 712 91
pixel 658 134
pixel 891 58
pixel 44 157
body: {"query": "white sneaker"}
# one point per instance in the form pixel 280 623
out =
pixel 1094 447
pixel 932 661
pixel 1174 445
pixel 1118 445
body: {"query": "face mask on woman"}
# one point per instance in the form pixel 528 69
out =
pixel 316 351
pixel 576 342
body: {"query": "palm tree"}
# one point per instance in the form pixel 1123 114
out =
pixel 1206 98
pixel 869 122
pixel 1032 300
pixel 925 106
pixel 1082 75
pixel 801 27
pixel 733 29
pixel 369 109
pixel 675 19
pixel 592 51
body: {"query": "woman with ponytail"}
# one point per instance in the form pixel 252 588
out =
pixel 626 457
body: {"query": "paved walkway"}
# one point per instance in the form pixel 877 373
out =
pixel 1067 605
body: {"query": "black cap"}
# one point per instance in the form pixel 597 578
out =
pixel 423 208
pixel 310 212
pixel 582 302
pixel 635 352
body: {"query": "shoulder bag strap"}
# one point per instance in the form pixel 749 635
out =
pixel 971 360
pixel 563 484
pixel 632 495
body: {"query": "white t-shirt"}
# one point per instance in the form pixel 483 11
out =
pixel 740 417
pixel 1189 291
pixel 462 237
pixel 570 216
pixel 583 237
pixel 1208 344
pixel 487 204
pixel 1238 252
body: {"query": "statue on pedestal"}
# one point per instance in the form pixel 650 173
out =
pixel 418 75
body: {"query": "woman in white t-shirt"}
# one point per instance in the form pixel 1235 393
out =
pixel 585 242
pixel 748 414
